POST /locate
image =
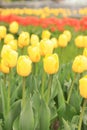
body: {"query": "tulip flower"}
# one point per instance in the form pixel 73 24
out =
pixel 85 52
pixel 13 27
pixel 79 64
pixel 85 41
pixel 51 63
pixel 24 65
pixel 3 31
pixel 68 34
pixel 83 93
pixel 10 56
pixel 4 67
pixel 46 34
pixel 62 40
pixel 34 39
pixel 79 41
pixel 23 39
pixel 55 42
pixel 83 86
pixel 13 44
pixel 46 47
pixel 34 53
pixel 8 38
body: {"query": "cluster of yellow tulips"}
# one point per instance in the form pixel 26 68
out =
pixel 44 12
pixel 10 57
pixel 22 50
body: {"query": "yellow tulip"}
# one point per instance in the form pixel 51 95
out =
pixel 3 67
pixel 24 65
pixel 3 31
pixel 85 52
pixel 55 42
pixel 85 41
pixel 46 47
pixel 8 38
pixel 34 53
pixel 79 64
pixel 83 86
pixel 34 39
pixel 13 44
pixel 23 39
pixel 9 56
pixel 51 63
pixel 62 40
pixel 79 41
pixel 68 34
pixel 46 34
pixel 13 27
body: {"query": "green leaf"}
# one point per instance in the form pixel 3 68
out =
pixel 36 102
pixel 61 100
pixel 76 100
pixel 16 124
pixel 13 114
pixel 27 117
pixel 44 116
pixel 4 98
pixel 66 125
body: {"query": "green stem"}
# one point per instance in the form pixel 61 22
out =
pixel 70 91
pixel 82 113
pixel 43 81
pixel 49 87
pixel 23 92
pixel 9 91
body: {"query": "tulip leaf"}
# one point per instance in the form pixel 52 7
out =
pixel 13 114
pixel 44 116
pixel 4 98
pixel 61 100
pixel 27 117
pixel 66 125
pixel 36 102
pixel 16 124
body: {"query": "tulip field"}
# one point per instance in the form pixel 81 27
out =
pixel 43 73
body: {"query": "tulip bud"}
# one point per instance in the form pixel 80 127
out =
pixel 13 44
pixel 79 41
pixel 68 34
pixel 23 39
pixel 85 41
pixel 13 27
pixel 34 53
pixel 62 40
pixel 34 39
pixel 83 86
pixel 3 31
pixel 85 52
pixel 55 42
pixel 4 68
pixel 51 63
pixel 46 47
pixel 46 34
pixel 24 65
pixel 79 64
pixel 9 56
pixel 8 38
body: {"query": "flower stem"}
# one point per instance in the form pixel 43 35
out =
pixel 23 92
pixel 9 91
pixel 82 113
pixel 43 81
pixel 49 87
pixel 70 91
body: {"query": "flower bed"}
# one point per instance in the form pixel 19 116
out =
pixel 43 73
